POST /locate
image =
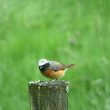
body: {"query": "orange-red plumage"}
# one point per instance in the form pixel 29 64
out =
pixel 53 69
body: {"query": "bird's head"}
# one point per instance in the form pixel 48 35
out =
pixel 42 62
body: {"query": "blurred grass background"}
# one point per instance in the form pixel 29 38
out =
pixel 70 31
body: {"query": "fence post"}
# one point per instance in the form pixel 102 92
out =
pixel 51 95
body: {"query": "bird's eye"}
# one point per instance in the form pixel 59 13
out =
pixel 40 67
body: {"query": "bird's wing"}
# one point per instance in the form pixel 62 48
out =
pixel 55 66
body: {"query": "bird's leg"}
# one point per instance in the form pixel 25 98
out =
pixel 54 81
pixel 51 81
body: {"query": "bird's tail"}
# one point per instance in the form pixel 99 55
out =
pixel 70 65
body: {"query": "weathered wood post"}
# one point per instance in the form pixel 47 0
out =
pixel 48 95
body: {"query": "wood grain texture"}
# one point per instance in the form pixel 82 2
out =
pixel 51 95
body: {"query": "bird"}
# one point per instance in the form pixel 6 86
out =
pixel 53 69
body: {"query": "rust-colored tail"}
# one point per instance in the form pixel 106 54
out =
pixel 70 65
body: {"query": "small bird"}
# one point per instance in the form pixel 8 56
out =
pixel 53 69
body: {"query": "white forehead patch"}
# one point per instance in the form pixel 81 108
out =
pixel 42 62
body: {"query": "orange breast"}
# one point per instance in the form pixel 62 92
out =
pixel 54 74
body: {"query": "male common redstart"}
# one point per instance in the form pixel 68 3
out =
pixel 52 69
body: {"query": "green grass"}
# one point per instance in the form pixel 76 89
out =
pixel 67 31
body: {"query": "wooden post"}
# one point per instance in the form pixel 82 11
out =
pixel 51 95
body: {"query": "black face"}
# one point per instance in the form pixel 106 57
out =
pixel 44 67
